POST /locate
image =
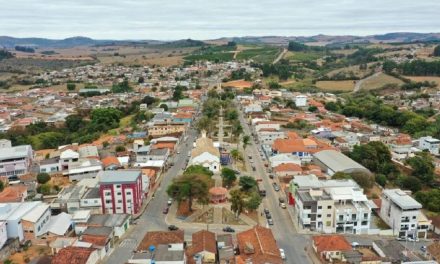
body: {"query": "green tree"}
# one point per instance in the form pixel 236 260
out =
pixel 238 202
pixel 365 180
pixel 437 51
pixel 71 86
pixel 141 79
pixel 148 100
pixel 423 167
pixel 103 119
pixel 247 183
pixel 429 199
pixel 164 107
pixel 235 154
pixel 178 92
pixel 253 202
pixel 120 148
pixel 43 178
pixel 204 123
pixel 246 141
pixel 2 185
pixel 381 179
pixel 313 108
pixel 411 183
pixel 75 123
pixel 123 87
pixel 229 176
pixel 198 169
pixel 44 189
pixel 189 187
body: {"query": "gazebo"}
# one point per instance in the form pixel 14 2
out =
pixel 217 195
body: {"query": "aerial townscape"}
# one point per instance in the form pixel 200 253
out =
pixel 228 150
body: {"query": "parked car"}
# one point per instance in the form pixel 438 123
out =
pixel 412 239
pixel 276 187
pixel 228 229
pixel 165 210
pixel 423 248
pixel 178 152
pixel 268 216
pixel 270 221
pixel 271 176
pixel 401 239
pixel 170 201
pixel 266 211
pixel 282 253
pixel 173 228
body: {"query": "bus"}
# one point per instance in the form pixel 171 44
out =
pixel 261 189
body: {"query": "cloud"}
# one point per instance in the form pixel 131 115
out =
pixel 202 19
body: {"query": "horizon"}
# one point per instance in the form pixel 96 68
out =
pixel 198 19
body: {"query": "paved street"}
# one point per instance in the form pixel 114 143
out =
pixel 287 238
pixel 153 218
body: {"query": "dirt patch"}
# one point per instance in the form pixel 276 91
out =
pixel 347 85
pixel 30 254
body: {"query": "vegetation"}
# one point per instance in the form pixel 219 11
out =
pixel 265 54
pixel 2 186
pixel 25 49
pixel 365 180
pixel 436 51
pixel 43 178
pixel 229 176
pixel 122 87
pixel 423 167
pixel 247 183
pixel 429 199
pixel 4 54
pixel 70 86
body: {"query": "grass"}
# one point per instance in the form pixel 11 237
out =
pixel 347 85
pixel 263 54
pixel 379 81
pixel 304 56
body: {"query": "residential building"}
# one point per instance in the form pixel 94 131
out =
pixel 121 191
pixel 14 161
pixel 36 221
pixel 205 154
pixel 164 128
pixel 330 247
pixel 49 165
pixel 225 249
pixel 76 255
pixel 118 222
pixel 14 194
pixel 66 157
pixel 83 169
pixel 203 248
pixel 284 159
pixel 301 101
pixel 402 213
pixel 101 238
pixel 287 170
pixel 429 143
pixel 3 234
pixel 258 246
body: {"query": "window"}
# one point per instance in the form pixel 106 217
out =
pixel 329 215
pixel 118 186
pixel 414 217
pixel 129 201
pixel 329 207
pixel 108 201
pixel 119 193
pixel 319 216
pixel 119 201
pixel 365 215
pixel 128 193
pixel 319 207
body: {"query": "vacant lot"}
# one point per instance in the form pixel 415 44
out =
pixel 425 78
pixel 379 81
pixel 347 85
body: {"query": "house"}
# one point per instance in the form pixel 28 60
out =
pixel 14 161
pixel 156 238
pixel 402 213
pixel 225 249
pixel 59 225
pixel 83 169
pixel 301 101
pixel 14 194
pixel 91 200
pixel 155 154
pixel 258 246
pixel 66 157
pixel 163 254
pixel 287 170
pixel 203 248
pixel 268 136
pixel 330 247
pixel 118 222
pixel 101 239
pixel 121 191
pixel 61 242
pixel 205 154
pixel 332 161
pixel 49 165
pixel 80 219
pixel 88 151
pixel 429 143
pixel 283 159
pixel 76 255
pixel 401 147
pixel 110 163
pixel 36 221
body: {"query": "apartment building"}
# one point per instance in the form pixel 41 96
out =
pixel 14 161
pixel 429 143
pixel 121 191
pixel 403 214
pixel 332 206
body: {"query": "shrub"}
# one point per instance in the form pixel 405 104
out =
pixel 43 177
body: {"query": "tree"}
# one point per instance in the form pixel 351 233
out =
pixel 2 185
pixel 198 169
pixel 235 154
pixel 332 106
pixel 141 79
pixel 122 87
pixel 429 199
pixel 313 108
pixel 164 107
pixel 423 167
pixel 148 100
pixel 437 51
pixel 229 176
pixel 296 46
pixel 189 187
pixel 44 189
pixel 74 123
pixel 237 129
pixel 204 123
pixel 381 179
pixel 365 180
pixel 43 177
pixel 120 148
pixel 71 86
pixel 237 202
pixel 103 119
pixel 254 200
pixel 246 141
pixel 178 92
pixel 247 183
pixel 411 183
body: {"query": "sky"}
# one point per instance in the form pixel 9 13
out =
pixel 210 19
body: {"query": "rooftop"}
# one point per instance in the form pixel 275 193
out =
pixel 402 199
pixel 156 238
pixel 331 243
pixel 72 255
pixel 119 176
pixel 337 161
pixel 15 152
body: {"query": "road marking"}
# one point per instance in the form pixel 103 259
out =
pixel 128 243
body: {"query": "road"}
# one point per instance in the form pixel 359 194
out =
pixel 287 238
pixel 358 84
pixel 280 56
pixel 153 219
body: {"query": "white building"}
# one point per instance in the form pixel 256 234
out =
pixel 402 213
pixel 68 156
pixel 3 234
pixel 301 100
pixel 16 160
pixel 205 154
pixel 429 143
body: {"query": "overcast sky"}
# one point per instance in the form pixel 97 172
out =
pixel 207 19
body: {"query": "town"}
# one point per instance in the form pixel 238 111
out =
pixel 189 165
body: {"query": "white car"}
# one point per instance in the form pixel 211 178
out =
pixel 283 255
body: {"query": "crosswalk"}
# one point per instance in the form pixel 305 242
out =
pixel 128 243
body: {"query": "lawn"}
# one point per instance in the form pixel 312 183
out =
pixel 263 54
pixel 347 85
pixel 379 81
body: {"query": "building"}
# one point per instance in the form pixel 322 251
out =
pixel 118 222
pixel 14 161
pixel 76 255
pixel 66 157
pixel 332 161
pixel 205 154
pixel 402 213
pixel 330 248
pixel 3 234
pixel 203 248
pixel 301 101
pixel 333 206
pixel 429 143
pixel 83 169
pixel 121 191
pixel 225 248
pixel 36 221
pixel 258 246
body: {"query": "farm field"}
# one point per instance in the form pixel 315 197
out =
pixel 304 56
pixel 263 54
pixel 379 81
pixel 347 85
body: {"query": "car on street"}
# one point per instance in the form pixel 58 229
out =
pixel 165 210
pixel 266 211
pixel 173 228
pixel 423 248
pixel 411 239
pixel 268 216
pixel 276 187
pixel 270 221
pixel 271 176
pixel 282 253
pixel 228 229
pixel 178 152
pixel 400 239
pixel 170 201
pixel 250 156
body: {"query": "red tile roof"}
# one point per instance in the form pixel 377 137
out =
pixel 110 160
pixel 201 241
pixel 72 255
pixel 309 145
pixel 13 194
pixel 99 241
pixel 287 167
pixel 168 145
pixel 331 243
pixel 161 238
pixel 262 242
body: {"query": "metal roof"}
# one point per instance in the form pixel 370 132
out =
pixel 336 161
pixel 118 176
pixel 15 152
